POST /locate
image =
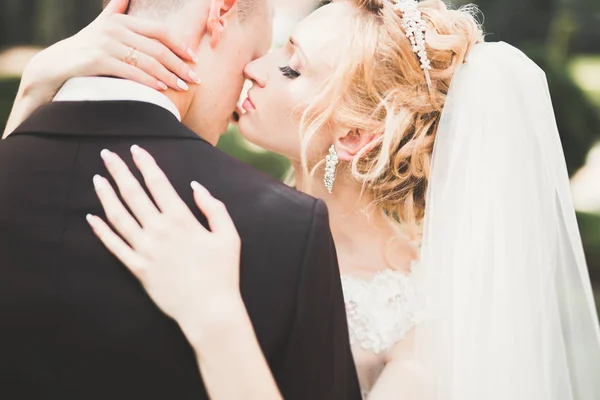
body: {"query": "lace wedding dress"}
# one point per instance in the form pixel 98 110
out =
pixel 381 311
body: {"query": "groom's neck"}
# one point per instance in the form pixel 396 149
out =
pixel 196 114
pixel 182 100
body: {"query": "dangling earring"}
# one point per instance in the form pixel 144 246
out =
pixel 331 162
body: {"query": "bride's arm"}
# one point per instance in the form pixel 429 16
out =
pixel 23 107
pixel 230 360
pixel 161 251
pixel 100 49
pixel 402 377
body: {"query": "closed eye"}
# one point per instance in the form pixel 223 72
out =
pixel 288 72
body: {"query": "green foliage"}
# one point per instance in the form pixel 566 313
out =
pixel 520 21
pixel 8 92
pixel 577 117
pixel 585 69
pixel 597 295
pixel 587 15
pixel 273 164
pixel 589 226
pixel 43 22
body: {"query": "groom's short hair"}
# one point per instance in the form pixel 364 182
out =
pixel 245 7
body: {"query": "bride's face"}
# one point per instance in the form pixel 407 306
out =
pixel 286 79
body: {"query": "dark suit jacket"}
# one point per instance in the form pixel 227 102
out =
pixel 75 324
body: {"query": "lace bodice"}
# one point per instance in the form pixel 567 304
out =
pixel 381 311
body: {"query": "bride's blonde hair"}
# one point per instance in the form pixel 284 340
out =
pixel 380 89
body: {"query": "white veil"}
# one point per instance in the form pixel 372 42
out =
pixel 509 309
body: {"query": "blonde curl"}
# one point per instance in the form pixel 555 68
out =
pixel 380 89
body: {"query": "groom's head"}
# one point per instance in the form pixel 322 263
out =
pixel 226 35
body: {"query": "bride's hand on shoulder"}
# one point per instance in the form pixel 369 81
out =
pixel 117 45
pixel 190 272
pixel 114 44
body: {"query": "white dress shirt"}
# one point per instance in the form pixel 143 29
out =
pixel 106 89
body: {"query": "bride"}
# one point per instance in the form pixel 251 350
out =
pixel 440 162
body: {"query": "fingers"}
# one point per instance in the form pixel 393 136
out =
pixel 126 71
pixel 154 68
pixel 131 190
pixel 160 54
pixel 115 212
pixel 116 245
pixel 158 184
pixel 158 31
pixel 159 61
pixel 215 211
pixel 114 7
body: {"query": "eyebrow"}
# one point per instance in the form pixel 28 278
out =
pixel 297 46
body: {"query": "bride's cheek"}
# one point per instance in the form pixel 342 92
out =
pixel 297 95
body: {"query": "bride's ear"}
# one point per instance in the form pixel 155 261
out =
pixel 352 142
pixel 219 13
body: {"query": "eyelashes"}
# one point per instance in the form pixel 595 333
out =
pixel 288 72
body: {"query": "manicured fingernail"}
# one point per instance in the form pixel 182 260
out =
pixel 162 85
pixel 105 154
pixel 135 150
pixel 98 182
pixel 196 186
pixel 192 55
pixel 90 219
pixel 182 85
pixel 194 76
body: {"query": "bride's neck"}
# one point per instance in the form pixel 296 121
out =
pixel 362 234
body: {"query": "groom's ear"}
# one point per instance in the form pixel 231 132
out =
pixel 221 11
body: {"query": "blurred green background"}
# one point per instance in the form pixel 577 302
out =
pixel 562 36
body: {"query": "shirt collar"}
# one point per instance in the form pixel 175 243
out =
pixel 113 89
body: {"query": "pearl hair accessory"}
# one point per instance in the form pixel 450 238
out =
pixel 415 28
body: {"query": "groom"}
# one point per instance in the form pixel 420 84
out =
pixel 74 324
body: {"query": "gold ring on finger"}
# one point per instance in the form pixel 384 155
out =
pixel 133 56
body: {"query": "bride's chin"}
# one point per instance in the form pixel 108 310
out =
pixel 251 131
pixel 245 128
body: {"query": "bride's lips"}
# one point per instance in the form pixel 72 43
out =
pixel 248 105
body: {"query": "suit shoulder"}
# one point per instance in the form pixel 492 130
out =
pixel 232 180
pixel 275 199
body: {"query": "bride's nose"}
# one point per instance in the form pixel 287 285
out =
pixel 256 72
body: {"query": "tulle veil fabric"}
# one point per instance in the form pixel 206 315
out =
pixel 508 304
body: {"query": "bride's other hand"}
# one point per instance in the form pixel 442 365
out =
pixel 103 48
pixel 190 272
